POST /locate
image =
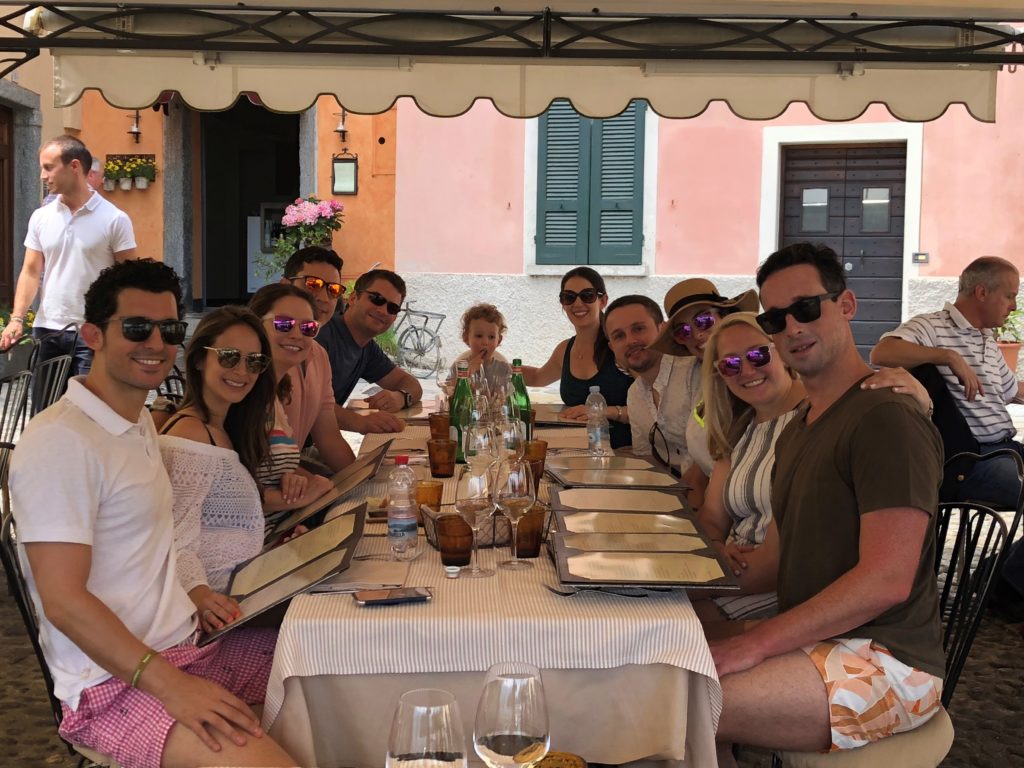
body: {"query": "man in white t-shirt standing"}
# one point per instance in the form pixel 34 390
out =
pixel 69 241
pixel 92 503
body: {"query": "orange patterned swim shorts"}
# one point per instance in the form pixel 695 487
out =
pixel 871 694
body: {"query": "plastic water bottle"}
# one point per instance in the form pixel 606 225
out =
pixel 598 436
pixel 402 533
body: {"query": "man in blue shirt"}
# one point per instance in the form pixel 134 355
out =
pixel 349 341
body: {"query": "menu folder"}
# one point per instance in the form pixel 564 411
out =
pixel 646 500
pixel 599 477
pixel 342 482
pixel 274 577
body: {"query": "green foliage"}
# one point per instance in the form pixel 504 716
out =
pixel 1013 329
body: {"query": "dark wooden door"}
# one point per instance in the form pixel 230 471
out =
pixel 6 203
pixel 851 198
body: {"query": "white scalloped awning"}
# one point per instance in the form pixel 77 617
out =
pixel 524 87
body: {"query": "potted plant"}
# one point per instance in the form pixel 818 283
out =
pixel 305 222
pixel 143 171
pixel 1009 337
pixel 113 170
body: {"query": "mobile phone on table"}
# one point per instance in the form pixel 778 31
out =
pixel 393 596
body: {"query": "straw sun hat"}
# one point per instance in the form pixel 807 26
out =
pixel 697 292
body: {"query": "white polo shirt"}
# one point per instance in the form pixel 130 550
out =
pixel 677 384
pixel 987 416
pixel 82 474
pixel 75 247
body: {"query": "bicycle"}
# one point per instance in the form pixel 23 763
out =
pixel 418 342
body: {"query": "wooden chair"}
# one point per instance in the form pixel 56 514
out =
pixel 972 538
pixel 18 588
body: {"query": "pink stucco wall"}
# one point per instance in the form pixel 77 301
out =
pixel 459 188
pixel 459 192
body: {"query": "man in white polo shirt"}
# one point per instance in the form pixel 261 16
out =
pixel 959 340
pixel 68 242
pixel 92 503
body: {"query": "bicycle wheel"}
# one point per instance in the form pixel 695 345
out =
pixel 418 350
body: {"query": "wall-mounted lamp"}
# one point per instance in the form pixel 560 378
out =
pixel 341 130
pixel 134 130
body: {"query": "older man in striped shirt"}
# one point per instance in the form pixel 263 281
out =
pixel 959 340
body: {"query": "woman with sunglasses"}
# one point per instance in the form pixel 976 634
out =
pixel 211 448
pixel 750 396
pixel 693 307
pixel 585 359
pixel 287 315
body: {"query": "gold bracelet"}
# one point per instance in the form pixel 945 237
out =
pixel 142 666
pixel 618 413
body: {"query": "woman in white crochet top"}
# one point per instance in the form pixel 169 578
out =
pixel 211 448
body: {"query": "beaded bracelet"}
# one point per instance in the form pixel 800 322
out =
pixel 141 667
pixel 19 318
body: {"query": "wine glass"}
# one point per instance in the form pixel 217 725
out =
pixel 512 439
pixel 473 502
pixel 426 731
pixel 514 497
pixel 511 727
pixel 445 382
pixel 479 447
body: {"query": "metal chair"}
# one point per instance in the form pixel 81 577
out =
pixel 14 400
pixel 34 360
pixel 660 450
pixel 18 358
pixel 49 380
pixel 17 587
pixel 173 387
pixel 959 466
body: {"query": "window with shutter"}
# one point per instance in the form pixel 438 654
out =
pixel 590 187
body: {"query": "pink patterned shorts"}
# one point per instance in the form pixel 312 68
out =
pixel 132 727
pixel 871 695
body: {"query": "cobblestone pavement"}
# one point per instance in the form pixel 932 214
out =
pixel 987 709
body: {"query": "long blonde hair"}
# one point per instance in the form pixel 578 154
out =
pixel 726 417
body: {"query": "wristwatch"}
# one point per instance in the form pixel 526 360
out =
pixel 407 397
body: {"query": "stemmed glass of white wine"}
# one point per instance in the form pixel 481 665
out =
pixel 511 727
pixel 514 497
pixel 426 731
pixel 474 503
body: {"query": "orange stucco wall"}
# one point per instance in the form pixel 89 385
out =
pixel 368 233
pixel 105 132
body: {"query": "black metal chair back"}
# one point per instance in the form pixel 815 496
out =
pixel 49 380
pixel 18 358
pixel 959 466
pixel 17 587
pixel 971 539
pixel 173 387
pixel 34 360
pixel 14 399
pixel 660 450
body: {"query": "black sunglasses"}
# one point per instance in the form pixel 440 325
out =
pixel 284 323
pixel 316 284
pixel 731 365
pixel 587 296
pixel 803 311
pixel 702 322
pixel 379 301
pixel 229 357
pixel 140 329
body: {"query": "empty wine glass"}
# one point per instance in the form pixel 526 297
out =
pixel 511 727
pixel 511 435
pixel 479 447
pixel 473 502
pixel 426 731
pixel 514 497
pixel 445 382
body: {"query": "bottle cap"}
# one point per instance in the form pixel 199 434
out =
pixel 595 388
pixel 517 362
pixel 452 571
pixel 401 460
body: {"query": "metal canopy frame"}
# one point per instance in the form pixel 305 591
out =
pixel 545 34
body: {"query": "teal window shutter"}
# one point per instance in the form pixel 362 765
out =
pixel 617 188
pixel 563 177
pixel 590 187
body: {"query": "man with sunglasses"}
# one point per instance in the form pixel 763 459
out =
pixel 68 242
pixel 310 412
pixel 92 503
pixel 855 653
pixel 349 341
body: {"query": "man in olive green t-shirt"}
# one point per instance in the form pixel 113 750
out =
pixel 855 653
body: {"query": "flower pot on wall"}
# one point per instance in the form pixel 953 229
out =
pixel 1011 351
pixel 141 182
pixel 126 184
pixel 109 184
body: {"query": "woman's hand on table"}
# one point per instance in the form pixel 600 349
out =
pixel 293 487
pixel 215 610
pixel 574 413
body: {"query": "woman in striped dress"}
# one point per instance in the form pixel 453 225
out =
pixel 287 315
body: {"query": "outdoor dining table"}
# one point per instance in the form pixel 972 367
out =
pixel 627 679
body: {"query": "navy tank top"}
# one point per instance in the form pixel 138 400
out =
pixel 613 383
